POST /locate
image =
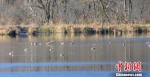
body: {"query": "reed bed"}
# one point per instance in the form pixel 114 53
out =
pixel 76 28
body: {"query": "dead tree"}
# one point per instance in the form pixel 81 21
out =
pixel 45 6
pixel 103 9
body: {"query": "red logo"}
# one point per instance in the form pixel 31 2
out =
pixel 128 66
pixel 137 66
pixel 118 66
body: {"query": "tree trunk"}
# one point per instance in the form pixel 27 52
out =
pixel 46 8
pixel 104 10
pixel 125 6
pixel 130 9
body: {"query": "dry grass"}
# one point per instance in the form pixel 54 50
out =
pixel 75 28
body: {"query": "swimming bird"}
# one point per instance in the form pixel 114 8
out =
pixel 50 49
pixel 48 43
pixel 11 53
pixel 94 44
pixel 123 44
pixel 110 42
pixel 26 49
pixel 62 43
pixel 93 48
pixel 35 43
pixel 71 42
pixel 61 54
pixel 148 45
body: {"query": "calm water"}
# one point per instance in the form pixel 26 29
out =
pixel 71 60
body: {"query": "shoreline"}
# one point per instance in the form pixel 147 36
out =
pixel 76 28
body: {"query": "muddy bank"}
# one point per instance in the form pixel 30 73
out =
pixel 87 29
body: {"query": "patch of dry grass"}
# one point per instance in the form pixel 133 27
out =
pixel 75 28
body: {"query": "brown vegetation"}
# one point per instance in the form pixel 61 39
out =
pixel 16 12
pixel 74 16
pixel 74 28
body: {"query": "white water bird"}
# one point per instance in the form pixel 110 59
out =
pixel 110 42
pixel 61 54
pixel 93 48
pixel 50 49
pixel 35 43
pixel 71 42
pixel 62 43
pixel 123 44
pixel 11 53
pixel 26 49
pixel 48 43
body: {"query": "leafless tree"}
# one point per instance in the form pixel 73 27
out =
pixel 75 11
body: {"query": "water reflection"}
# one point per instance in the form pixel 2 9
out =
pixel 77 56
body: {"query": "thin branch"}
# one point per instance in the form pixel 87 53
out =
pixel 103 9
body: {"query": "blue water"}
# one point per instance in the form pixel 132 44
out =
pixel 56 64
pixel 58 74
pixel 71 73
pixel 66 74
pixel 3 65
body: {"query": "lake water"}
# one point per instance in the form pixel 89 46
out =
pixel 33 58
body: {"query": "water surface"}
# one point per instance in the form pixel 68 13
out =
pixel 62 59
